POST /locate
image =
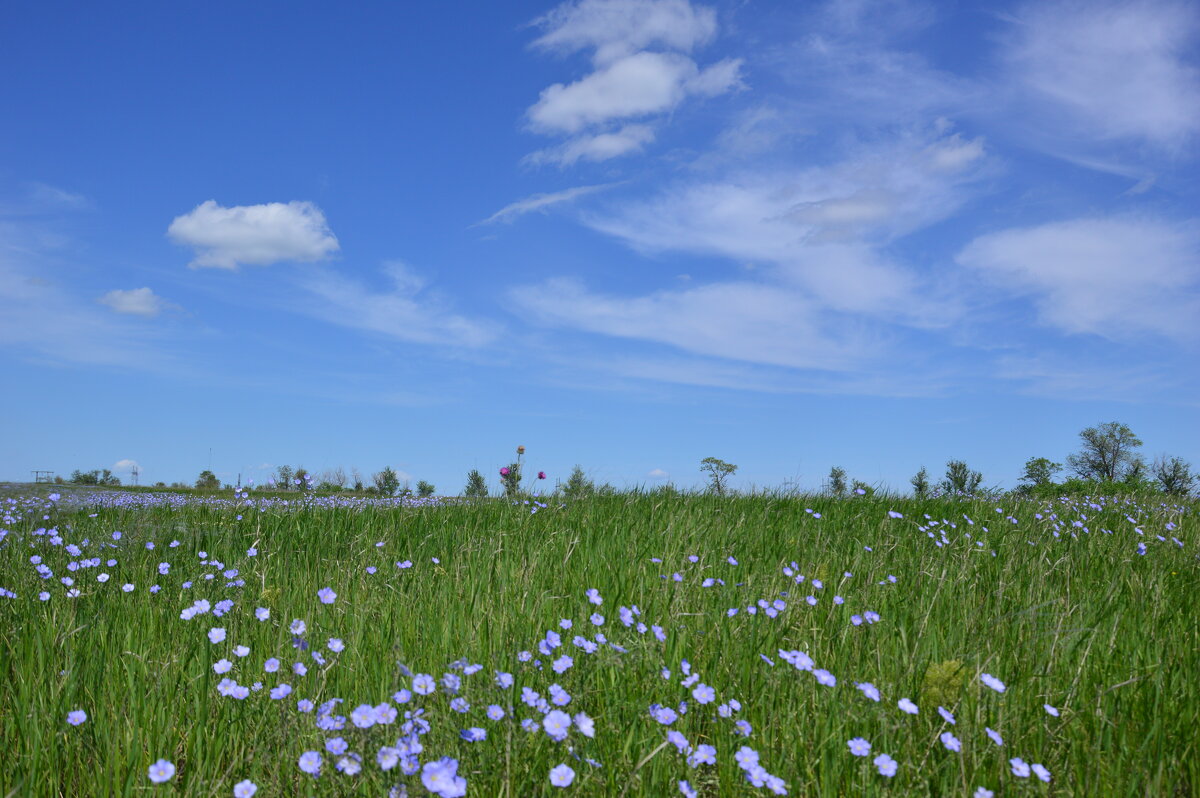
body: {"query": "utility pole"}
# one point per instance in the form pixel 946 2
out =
pixel 134 473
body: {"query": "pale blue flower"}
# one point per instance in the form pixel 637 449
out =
pixel 562 776
pixel 161 771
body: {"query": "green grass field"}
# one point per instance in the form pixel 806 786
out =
pixel 1078 620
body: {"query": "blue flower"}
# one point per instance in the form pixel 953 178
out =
pixel 161 771
pixel 562 776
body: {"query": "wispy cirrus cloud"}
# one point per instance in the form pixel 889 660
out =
pixel 406 312
pixel 259 235
pixel 1114 276
pixel 541 202
pixel 1107 70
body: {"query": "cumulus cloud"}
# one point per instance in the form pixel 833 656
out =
pixel 616 28
pixel 1109 276
pixel 225 238
pixel 135 302
pixel 638 85
pixel 658 473
pixel 125 465
pixel 1109 70
pixel 628 80
pixel 407 312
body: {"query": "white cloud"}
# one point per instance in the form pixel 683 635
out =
pixel 628 80
pixel 1109 276
pixel 1109 70
pixel 595 147
pixel 617 28
pixel 539 202
pixel 734 320
pixel 658 473
pixel 637 85
pixel 399 313
pixel 125 465
pixel 254 234
pixel 135 302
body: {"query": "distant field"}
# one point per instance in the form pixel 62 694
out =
pixel 764 631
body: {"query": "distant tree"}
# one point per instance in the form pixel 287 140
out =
pixel 207 481
pixel 606 490
pixel 837 480
pixel 1039 471
pixel 578 485
pixel 160 484
pixel 424 488
pixel 97 476
pixel 1108 454
pixel 718 473
pixel 860 488
pixel 961 479
pixel 386 481
pixel 332 479
pixel 1173 474
pixel 510 479
pixel 284 477
pixel 476 485
pixel 920 483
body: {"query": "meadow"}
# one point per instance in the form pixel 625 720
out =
pixel 633 645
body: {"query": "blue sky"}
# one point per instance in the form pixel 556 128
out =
pixel 627 234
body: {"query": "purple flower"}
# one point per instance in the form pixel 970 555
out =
pixel 1019 768
pixel 886 765
pixel 216 634
pixel 946 715
pixel 825 678
pixel 161 771
pixel 244 789
pixel 859 746
pixel 994 735
pixel 992 682
pixel 951 742
pixel 1050 710
pixel 557 723
pixel 1041 772
pixel 906 705
pixel 704 694
pixel 76 717
pixel 664 715
pixel 310 762
pixel 562 776
pixel 326 595
pixel 473 734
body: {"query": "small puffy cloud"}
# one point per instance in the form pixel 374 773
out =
pixel 135 302
pixel 658 473
pixel 1110 69
pixel 43 195
pixel 254 234
pixel 596 147
pixel 125 465
pixel 1108 276
pixel 637 85
pixel 616 28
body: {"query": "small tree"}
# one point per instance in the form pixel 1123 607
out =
pixel 718 473
pixel 960 479
pixel 284 477
pixel 386 481
pixel 207 481
pixel 920 483
pixel 301 478
pixel 1108 453
pixel 476 485
pixel 424 489
pixel 1039 471
pixel 1173 474
pixel 578 485
pixel 837 480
